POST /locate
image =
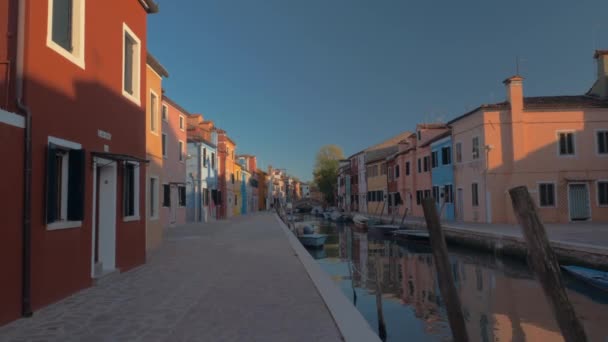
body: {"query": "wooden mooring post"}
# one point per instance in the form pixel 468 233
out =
pixel 543 262
pixel 381 324
pixel 444 271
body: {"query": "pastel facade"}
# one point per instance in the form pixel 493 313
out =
pixel 86 117
pixel 554 145
pixel 226 153
pixel 406 159
pixel 202 203
pixel 174 137
pixel 442 175
pixel 425 133
pixel 377 184
pixel 155 112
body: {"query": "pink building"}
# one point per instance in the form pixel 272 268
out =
pixel 405 157
pixel 557 146
pixel 174 139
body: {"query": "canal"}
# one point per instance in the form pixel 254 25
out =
pixel 501 299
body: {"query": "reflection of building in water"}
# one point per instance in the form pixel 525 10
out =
pixel 498 305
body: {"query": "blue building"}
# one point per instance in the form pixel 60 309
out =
pixel 442 175
pixel 202 188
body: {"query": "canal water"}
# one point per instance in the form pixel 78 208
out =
pixel 501 299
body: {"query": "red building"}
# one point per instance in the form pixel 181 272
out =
pixel 77 70
pixel 226 177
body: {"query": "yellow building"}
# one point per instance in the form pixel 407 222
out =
pixel 154 150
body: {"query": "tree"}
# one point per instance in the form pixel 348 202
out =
pixel 326 170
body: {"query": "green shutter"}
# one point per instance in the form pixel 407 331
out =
pixel 76 180
pixel 51 183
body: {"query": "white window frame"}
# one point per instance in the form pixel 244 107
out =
pixel 573 132
pixel 182 123
pixel 597 192
pixel 597 142
pixel 136 190
pixel 136 97
pixel 154 115
pixel 63 223
pixel 164 106
pixel 78 33
pixel 538 184
pixel 164 149
pixel 473 147
pixel 457 147
pixel 154 196
pixel 181 150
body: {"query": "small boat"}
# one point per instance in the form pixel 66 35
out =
pixel 593 277
pixel 360 220
pixel 384 229
pixel 312 240
pixel 413 235
pixel 337 216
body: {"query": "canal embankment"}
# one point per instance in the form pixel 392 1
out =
pixel 581 243
pixel 350 322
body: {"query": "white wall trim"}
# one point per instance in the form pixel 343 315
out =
pixel 78 35
pixel 156 129
pixel 136 97
pixel 182 123
pixel 163 105
pixel 150 202
pixel 63 225
pixel 538 183
pixel 12 119
pixel 588 198
pixel 65 143
pixel 597 142
pixel 574 143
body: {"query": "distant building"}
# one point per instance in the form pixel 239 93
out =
pixel 442 174
pixel 202 200
pixel 174 139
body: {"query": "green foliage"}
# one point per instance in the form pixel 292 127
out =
pixel 326 170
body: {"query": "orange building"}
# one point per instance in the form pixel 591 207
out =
pixel 78 72
pixel 227 178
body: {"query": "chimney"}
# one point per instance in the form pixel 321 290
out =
pixel 515 94
pixel 600 87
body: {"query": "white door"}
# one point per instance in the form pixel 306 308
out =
pixel 106 223
pixel 578 202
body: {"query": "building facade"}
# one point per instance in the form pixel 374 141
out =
pixel 202 188
pixel 174 138
pixel 442 175
pixel 155 112
pixel 83 195
pixel 554 145
pixel 226 153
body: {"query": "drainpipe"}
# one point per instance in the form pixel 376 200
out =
pixel 26 302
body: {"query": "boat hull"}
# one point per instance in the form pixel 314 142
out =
pixel 313 240
pixel 590 276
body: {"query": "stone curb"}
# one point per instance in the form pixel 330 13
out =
pixel 348 319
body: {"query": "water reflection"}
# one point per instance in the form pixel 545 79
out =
pixel 501 300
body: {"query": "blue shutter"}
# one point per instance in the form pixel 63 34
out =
pixel 51 183
pixel 76 182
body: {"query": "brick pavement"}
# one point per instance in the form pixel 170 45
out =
pixel 234 280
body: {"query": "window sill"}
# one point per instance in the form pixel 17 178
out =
pixel 130 218
pixel 154 132
pixel 63 225
pixel 153 218
pixel 79 61
pixel 133 98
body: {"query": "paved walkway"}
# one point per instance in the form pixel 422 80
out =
pixel 234 280
pixel 592 234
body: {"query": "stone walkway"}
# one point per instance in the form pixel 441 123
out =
pixel 233 280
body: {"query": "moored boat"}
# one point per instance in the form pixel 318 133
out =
pixel 412 234
pixel 312 240
pixel 384 229
pixel 591 276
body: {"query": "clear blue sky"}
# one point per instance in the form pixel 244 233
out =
pixel 285 77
